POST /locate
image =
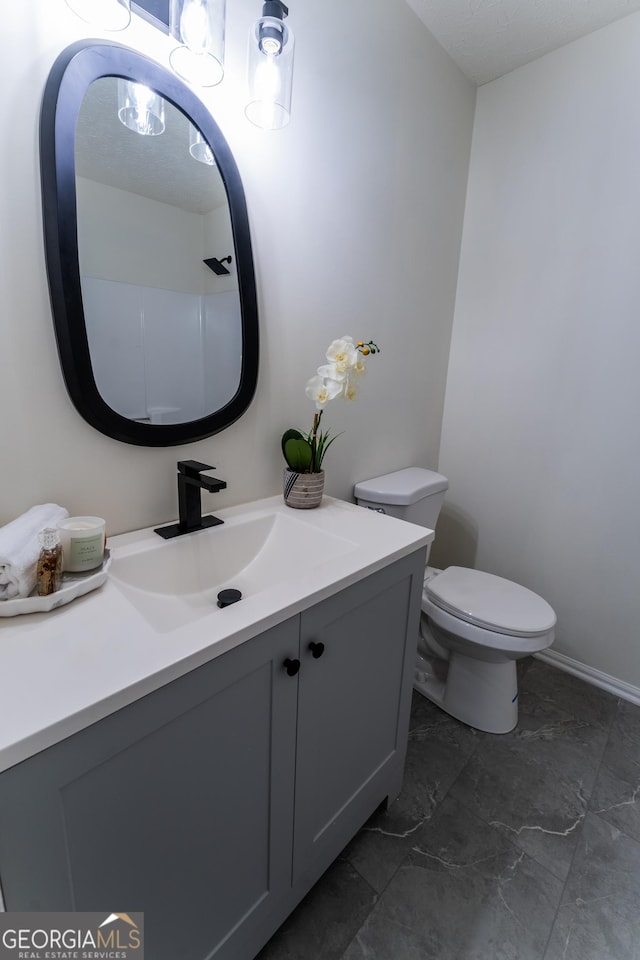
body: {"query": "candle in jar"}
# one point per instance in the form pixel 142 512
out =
pixel 82 540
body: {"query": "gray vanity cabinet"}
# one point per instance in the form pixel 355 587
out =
pixel 352 715
pixel 179 805
pixel 215 802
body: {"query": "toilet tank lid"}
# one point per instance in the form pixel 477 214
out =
pixel 401 487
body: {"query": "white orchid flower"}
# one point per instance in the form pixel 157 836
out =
pixel 360 366
pixel 321 391
pixel 351 389
pixel 329 371
pixel 341 377
pixel 342 354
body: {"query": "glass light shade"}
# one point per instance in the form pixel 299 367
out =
pixel 108 14
pixel 199 148
pixel 198 26
pixel 140 109
pixel 271 46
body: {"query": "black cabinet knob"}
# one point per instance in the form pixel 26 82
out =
pixel 291 666
pixel 317 649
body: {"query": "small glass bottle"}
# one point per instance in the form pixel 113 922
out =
pixel 49 568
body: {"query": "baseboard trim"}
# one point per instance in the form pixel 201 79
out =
pixel 599 679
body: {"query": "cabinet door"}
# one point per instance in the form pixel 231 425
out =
pixel 179 805
pixel 353 708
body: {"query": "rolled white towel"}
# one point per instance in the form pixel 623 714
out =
pixel 20 548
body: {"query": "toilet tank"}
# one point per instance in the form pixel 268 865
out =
pixel 412 494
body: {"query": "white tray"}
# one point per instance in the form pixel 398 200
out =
pixel 73 585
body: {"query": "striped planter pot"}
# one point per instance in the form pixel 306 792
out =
pixel 303 490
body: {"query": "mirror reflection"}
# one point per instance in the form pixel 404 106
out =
pixel 155 244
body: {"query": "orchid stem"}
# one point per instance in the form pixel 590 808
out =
pixel 314 441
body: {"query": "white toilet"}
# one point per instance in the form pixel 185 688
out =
pixel 474 625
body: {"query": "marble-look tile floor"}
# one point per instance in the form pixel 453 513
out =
pixel 517 847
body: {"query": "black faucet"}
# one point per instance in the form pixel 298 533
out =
pixel 190 483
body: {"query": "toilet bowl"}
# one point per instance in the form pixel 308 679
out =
pixel 474 625
pixel 480 624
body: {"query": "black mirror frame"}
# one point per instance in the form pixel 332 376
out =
pixel 72 73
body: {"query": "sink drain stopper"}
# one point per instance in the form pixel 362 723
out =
pixel 227 597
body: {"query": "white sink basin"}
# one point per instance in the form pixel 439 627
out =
pixel 249 554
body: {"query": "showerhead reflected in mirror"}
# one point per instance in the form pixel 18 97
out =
pixel 156 347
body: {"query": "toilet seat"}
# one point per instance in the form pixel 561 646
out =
pixel 489 602
pixel 485 644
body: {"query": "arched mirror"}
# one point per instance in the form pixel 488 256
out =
pixel 148 250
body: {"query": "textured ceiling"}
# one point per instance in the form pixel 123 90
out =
pixel 488 38
pixel 159 168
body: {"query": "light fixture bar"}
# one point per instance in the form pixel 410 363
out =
pixel 155 12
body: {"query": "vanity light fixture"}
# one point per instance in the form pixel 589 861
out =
pixel 198 26
pixel 270 68
pixel 108 14
pixel 199 148
pixel 140 108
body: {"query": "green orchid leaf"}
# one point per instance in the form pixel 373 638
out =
pixel 290 435
pixel 298 454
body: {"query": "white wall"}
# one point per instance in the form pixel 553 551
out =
pixel 540 435
pixel 355 212
pixel 164 244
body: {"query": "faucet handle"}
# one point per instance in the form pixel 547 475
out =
pixel 192 468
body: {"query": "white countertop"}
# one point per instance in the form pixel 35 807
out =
pixel 63 670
